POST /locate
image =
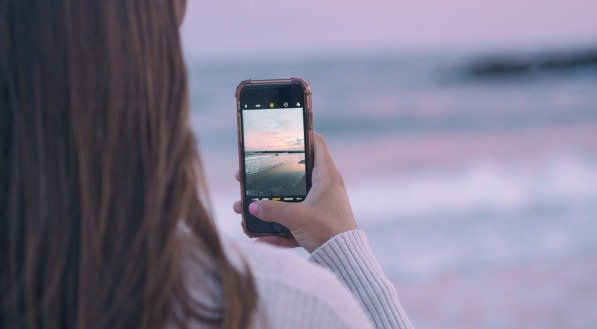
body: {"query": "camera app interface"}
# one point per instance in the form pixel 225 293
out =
pixel 274 153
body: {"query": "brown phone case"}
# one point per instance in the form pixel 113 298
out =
pixel 309 142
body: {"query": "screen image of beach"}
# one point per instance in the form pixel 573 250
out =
pixel 274 152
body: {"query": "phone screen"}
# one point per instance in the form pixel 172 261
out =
pixel 273 124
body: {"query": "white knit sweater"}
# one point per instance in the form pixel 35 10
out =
pixel 342 287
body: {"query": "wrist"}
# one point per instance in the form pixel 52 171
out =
pixel 334 240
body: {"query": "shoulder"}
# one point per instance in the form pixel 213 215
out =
pixel 294 292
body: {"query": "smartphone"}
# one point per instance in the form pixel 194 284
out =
pixel 275 146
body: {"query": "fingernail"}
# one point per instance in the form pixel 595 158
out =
pixel 254 208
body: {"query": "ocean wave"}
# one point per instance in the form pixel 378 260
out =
pixel 422 224
pixel 568 181
pixel 256 163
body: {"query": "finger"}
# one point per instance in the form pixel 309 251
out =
pixel 285 213
pixel 280 241
pixel 237 176
pixel 321 151
pixel 323 166
pixel 238 207
pixel 242 224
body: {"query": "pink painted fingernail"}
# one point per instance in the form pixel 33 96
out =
pixel 254 208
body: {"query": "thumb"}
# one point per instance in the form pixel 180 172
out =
pixel 285 213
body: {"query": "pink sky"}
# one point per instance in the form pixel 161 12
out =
pixel 274 130
pixel 235 28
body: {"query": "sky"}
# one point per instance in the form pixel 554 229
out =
pixel 225 28
pixel 274 130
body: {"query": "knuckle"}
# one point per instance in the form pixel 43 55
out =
pixel 319 137
pixel 337 179
pixel 267 210
pixel 278 211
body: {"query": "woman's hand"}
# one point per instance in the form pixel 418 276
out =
pixel 325 212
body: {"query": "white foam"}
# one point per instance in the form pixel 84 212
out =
pixel 487 186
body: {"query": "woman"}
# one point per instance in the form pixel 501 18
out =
pixel 101 221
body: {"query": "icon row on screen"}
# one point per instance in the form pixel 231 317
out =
pixel 279 199
pixel 272 105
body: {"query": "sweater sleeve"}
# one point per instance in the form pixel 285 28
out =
pixel 349 256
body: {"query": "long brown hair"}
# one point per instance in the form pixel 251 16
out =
pixel 99 171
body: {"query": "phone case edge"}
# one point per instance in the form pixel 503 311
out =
pixel 308 109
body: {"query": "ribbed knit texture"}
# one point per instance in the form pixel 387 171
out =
pixel 348 255
pixel 295 293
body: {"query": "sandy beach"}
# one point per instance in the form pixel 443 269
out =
pixel 285 178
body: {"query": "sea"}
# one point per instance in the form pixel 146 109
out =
pixel 478 192
pixel 258 162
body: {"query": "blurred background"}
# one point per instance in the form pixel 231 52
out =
pixel 466 132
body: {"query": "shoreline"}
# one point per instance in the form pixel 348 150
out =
pixel 285 179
